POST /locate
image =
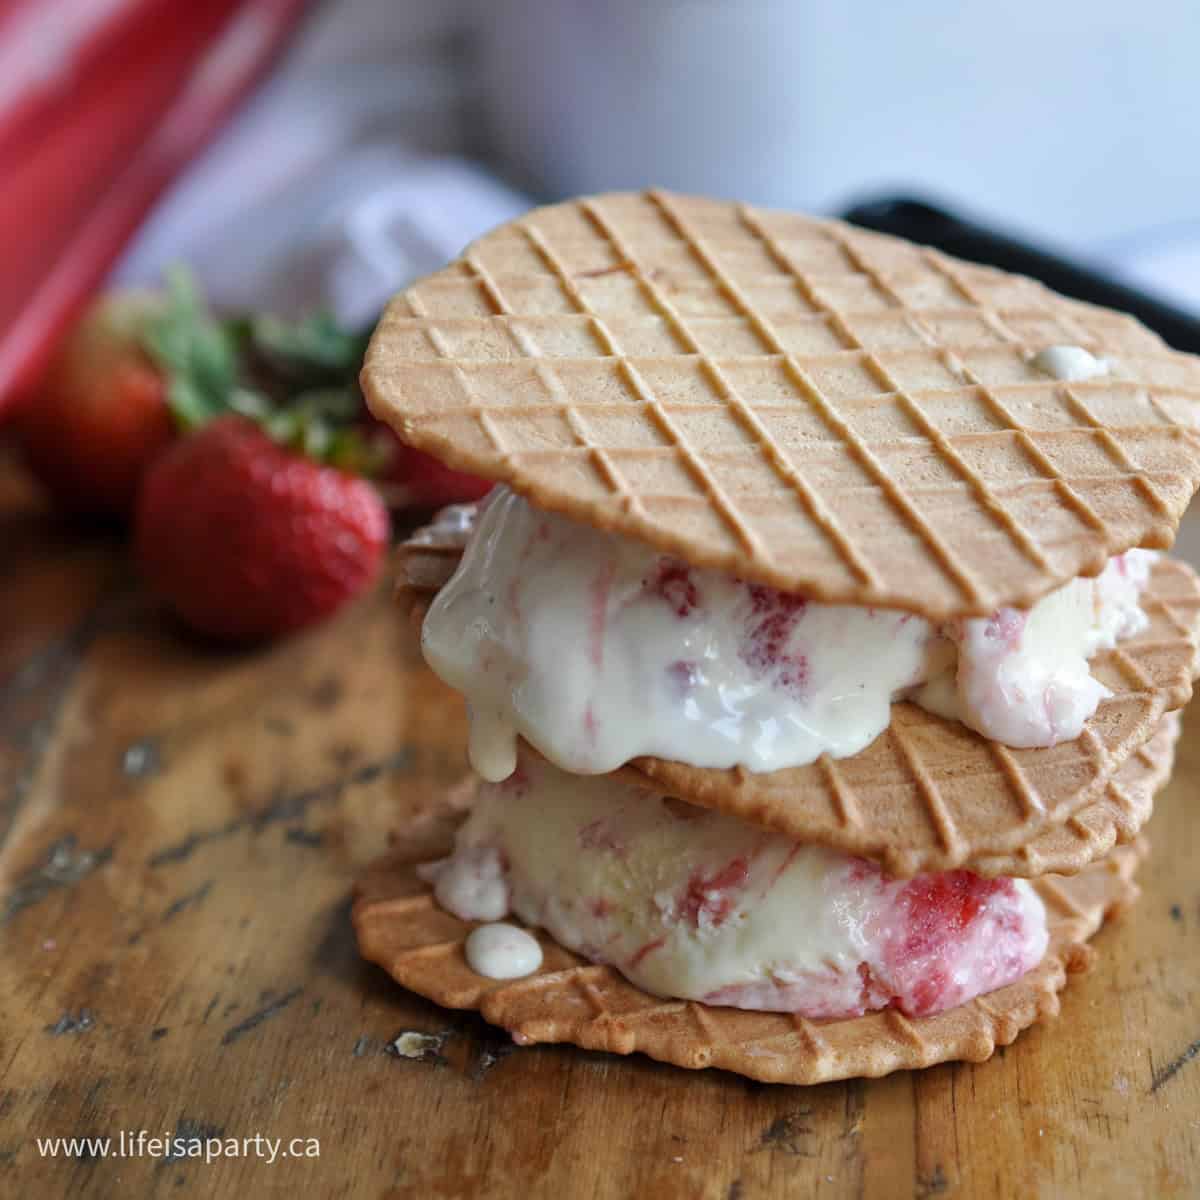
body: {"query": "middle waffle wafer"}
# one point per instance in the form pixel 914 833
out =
pixel 930 794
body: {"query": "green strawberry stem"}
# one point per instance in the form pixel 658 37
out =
pixel 194 351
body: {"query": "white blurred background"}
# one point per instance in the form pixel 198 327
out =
pixel 357 166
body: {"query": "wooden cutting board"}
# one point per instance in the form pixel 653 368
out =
pixel 180 828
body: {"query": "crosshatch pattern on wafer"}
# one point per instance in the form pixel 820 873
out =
pixel 930 794
pixel 1114 818
pixel 803 403
pixel 399 926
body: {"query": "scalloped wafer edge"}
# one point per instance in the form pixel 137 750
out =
pixel 399 926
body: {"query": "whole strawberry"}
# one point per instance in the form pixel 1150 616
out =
pixel 101 412
pixel 248 539
pixel 136 368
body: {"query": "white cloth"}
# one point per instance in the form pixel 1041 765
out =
pixel 340 180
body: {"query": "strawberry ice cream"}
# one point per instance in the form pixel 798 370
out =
pixel 598 649
pixel 1022 678
pixel 693 903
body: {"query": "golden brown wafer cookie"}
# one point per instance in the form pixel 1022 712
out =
pixel 422 568
pixel 427 557
pixel 798 402
pixel 930 794
pixel 1114 817
pixel 400 927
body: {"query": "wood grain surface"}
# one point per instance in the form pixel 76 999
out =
pixel 180 828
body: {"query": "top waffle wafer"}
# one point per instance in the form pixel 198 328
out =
pixel 795 401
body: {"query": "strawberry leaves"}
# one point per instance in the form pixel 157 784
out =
pixel 297 380
pixel 310 351
pixel 194 351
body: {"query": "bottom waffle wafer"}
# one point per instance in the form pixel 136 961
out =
pixel 399 926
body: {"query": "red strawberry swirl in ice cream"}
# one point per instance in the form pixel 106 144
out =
pixel 693 903
pixel 597 649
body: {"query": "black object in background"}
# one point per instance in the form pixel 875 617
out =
pixel 920 221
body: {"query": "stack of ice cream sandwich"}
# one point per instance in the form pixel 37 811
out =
pixel 820 655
